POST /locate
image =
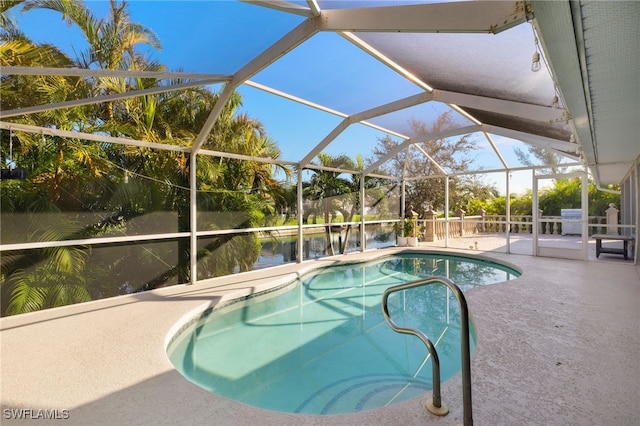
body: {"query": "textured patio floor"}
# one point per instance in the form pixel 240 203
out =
pixel 557 346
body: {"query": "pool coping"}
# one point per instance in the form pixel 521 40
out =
pixel 196 315
pixel 105 361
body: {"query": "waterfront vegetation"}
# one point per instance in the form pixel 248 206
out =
pixel 79 190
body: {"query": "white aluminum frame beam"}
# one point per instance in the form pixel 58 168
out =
pixel 500 106
pixel 331 169
pixel 293 98
pixel 379 176
pixel 314 6
pixel 356 118
pixel 92 241
pixel 134 142
pixel 541 141
pixel 89 72
pixel 572 156
pixel 361 44
pixel 393 106
pixel 419 148
pixel 361 117
pixel 367 48
pixel 325 141
pixel 482 172
pixel 283 6
pixel 90 137
pixel 496 150
pixel 269 160
pixel 404 165
pixel 317 106
pixel 281 47
pixel 438 135
pixel 105 98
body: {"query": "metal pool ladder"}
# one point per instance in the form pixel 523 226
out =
pixel 435 405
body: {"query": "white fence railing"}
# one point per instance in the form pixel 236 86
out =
pixel 435 229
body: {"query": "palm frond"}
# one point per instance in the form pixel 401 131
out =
pixel 25 296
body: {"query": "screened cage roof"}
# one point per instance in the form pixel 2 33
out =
pixel 334 75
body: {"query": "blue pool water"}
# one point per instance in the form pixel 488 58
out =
pixel 321 345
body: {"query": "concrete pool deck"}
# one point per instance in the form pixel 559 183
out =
pixel 558 345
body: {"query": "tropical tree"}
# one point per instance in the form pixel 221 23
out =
pixel 450 154
pixel 52 276
pixel 332 194
pixel 91 190
pixel 567 194
pixel 246 193
pixel 325 188
pixel 544 157
pixel 472 193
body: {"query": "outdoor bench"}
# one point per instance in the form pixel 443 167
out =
pixel 625 244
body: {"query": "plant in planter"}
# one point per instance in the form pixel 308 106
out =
pixel 407 228
pixel 412 230
pixel 398 227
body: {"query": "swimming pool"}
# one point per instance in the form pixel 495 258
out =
pixel 320 345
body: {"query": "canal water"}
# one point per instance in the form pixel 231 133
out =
pixel 285 249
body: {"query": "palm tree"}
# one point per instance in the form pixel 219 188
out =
pixel 240 192
pixel 49 277
pixel 246 191
pixel 326 187
pixel 112 42
pixel 60 169
pixel 354 202
pixel 124 183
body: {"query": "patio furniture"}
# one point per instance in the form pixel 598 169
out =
pixel 625 244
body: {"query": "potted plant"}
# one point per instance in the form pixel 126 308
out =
pixel 409 229
pixel 398 227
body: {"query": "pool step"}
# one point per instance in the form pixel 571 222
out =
pixel 363 393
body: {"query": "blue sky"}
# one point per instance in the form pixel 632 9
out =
pixel 187 31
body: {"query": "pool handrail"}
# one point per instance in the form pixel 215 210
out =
pixel 435 405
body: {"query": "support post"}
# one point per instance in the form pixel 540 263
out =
pixel 363 235
pixel 193 213
pixel 402 199
pixel 300 213
pixel 446 211
pixel 508 210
